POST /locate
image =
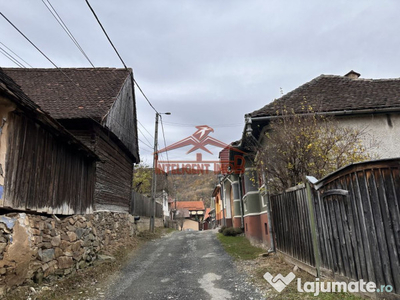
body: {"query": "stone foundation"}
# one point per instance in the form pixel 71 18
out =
pixel 33 247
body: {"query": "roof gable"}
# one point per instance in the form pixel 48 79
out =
pixel 331 93
pixel 71 93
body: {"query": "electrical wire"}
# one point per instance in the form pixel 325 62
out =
pixel 166 152
pixel 146 130
pixel 165 143
pixel 144 136
pixel 98 21
pixel 37 48
pixel 15 27
pixel 11 58
pixel 56 16
pixel 150 147
pixel 16 55
pixel 145 97
pixel 120 58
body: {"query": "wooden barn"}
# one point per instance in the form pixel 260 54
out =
pixel 43 167
pixel 97 105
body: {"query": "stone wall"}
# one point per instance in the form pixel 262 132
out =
pixel 33 247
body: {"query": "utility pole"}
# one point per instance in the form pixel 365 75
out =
pixel 154 177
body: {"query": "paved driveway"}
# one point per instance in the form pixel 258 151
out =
pixel 183 265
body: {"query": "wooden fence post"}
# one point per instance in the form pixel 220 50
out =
pixel 313 227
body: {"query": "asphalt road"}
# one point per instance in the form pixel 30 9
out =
pixel 182 265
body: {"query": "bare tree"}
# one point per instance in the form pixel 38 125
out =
pixel 308 143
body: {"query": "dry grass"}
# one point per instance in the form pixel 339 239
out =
pixel 275 264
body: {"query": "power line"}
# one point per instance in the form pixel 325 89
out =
pixel 165 147
pixel 15 27
pixel 150 147
pixel 16 54
pixel 145 97
pixel 146 130
pixel 98 21
pixel 116 51
pixel 53 11
pixel 11 58
pixel 163 132
pixel 144 136
pixel 40 51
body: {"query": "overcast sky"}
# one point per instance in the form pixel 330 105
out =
pixel 209 62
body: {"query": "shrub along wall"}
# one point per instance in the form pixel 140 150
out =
pixel 33 247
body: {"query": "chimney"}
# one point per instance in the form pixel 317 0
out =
pixel 352 75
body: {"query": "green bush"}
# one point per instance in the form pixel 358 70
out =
pixel 238 231
pixel 222 229
pixel 230 231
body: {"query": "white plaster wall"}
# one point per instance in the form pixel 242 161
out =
pixel 381 139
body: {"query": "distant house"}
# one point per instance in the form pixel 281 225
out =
pixel 193 212
pixel 43 168
pixel 195 208
pixel 98 107
pixel 208 219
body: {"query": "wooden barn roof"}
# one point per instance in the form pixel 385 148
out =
pixel 12 91
pixel 332 93
pixel 71 93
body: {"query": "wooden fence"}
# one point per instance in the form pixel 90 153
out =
pixel 292 225
pixel 356 212
pixel 142 206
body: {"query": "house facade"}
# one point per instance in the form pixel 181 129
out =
pixel 193 212
pixel 371 105
pixel 43 168
pixel 98 107
pixel 219 208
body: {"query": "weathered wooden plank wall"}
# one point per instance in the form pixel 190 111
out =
pixel 359 233
pixel 121 118
pixel 357 213
pixel 292 226
pixel 44 174
pixel 114 175
pixel 141 206
pixel 114 171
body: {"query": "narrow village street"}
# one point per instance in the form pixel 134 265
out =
pixel 182 265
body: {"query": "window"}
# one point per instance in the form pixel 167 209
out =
pixel 266 228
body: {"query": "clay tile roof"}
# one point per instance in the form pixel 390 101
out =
pixel 12 91
pixel 69 93
pixel 331 93
pixel 10 88
pixel 190 205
